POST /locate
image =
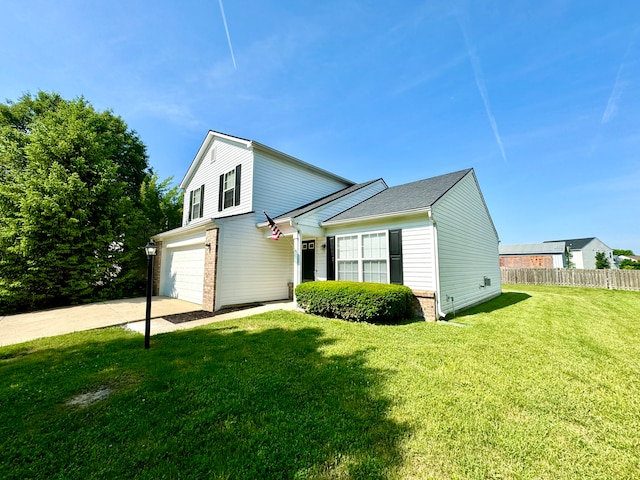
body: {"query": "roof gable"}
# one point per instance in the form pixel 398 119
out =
pixel 251 145
pixel 403 198
pixel 204 147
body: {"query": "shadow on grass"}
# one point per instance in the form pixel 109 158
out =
pixel 209 403
pixel 506 299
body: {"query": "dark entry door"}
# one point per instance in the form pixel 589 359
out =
pixel 308 260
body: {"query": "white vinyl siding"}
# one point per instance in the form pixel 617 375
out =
pixel 251 267
pixel 282 186
pixel 331 209
pixel 228 155
pixel 467 247
pixel 418 264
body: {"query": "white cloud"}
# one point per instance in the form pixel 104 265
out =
pixel 482 88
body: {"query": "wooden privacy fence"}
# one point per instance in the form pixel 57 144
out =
pixel 572 277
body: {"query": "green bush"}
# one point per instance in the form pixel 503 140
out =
pixel 355 301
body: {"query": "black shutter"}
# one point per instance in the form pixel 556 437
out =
pixel 201 201
pixel 237 200
pixel 331 258
pixel 190 203
pixel 395 256
pixel 221 193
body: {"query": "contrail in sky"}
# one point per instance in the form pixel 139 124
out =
pixel 616 92
pixel 226 29
pixel 477 73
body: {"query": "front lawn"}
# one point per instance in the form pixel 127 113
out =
pixel 540 383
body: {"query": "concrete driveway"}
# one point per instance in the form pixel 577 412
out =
pixel 130 312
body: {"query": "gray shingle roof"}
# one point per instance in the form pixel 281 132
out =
pixel 403 198
pixel 324 200
pixel 576 243
pixel 532 248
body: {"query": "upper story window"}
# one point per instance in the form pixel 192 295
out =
pixel 229 188
pixel 196 203
pixel 229 191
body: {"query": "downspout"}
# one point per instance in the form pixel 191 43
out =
pixel 297 258
pixel 439 312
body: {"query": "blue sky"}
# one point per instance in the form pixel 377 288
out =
pixel 541 98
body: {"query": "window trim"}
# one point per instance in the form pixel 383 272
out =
pixel 360 259
pixel 196 203
pixel 229 192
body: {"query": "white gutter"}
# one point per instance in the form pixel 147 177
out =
pixel 414 211
pixel 191 228
pixel 439 312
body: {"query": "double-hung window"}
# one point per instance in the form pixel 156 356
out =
pixel 196 203
pixel 347 257
pixel 229 188
pixel 229 193
pixel 374 257
pixel 363 257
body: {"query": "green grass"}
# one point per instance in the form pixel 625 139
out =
pixel 540 383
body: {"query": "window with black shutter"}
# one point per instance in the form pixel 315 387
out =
pixel 395 256
pixel 229 189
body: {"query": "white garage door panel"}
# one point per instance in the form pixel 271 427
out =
pixel 184 274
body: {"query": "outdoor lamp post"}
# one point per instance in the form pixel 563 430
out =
pixel 150 249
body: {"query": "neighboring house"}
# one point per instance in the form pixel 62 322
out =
pixel 555 254
pixel 632 258
pixel 435 235
pixel 583 252
pixel 533 255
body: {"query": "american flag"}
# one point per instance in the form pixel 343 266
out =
pixel 275 231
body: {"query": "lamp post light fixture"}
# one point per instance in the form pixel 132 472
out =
pixel 151 250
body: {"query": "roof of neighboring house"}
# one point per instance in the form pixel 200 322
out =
pixel 325 200
pixel 575 244
pixel 403 198
pixel 548 248
pixel 634 258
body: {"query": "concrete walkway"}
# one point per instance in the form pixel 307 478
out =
pixel 128 312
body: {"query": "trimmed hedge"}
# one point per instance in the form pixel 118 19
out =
pixel 355 301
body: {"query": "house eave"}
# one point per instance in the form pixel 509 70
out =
pixel 211 134
pixel 384 216
pixel 191 228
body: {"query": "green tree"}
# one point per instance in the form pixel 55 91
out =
pixel 628 253
pixel 160 210
pixel 627 264
pixel 568 256
pixel 71 203
pixel 602 262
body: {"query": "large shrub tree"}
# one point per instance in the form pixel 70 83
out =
pixel 71 209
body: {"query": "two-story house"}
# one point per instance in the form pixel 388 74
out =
pixel 435 235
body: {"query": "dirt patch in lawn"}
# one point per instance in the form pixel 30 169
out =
pixel 85 399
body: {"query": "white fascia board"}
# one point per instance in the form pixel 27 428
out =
pixel 257 146
pixel 202 150
pixel 191 228
pixel 287 220
pixel 405 213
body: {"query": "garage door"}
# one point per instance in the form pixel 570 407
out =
pixel 183 273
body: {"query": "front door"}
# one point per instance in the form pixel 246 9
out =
pixel 308 260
